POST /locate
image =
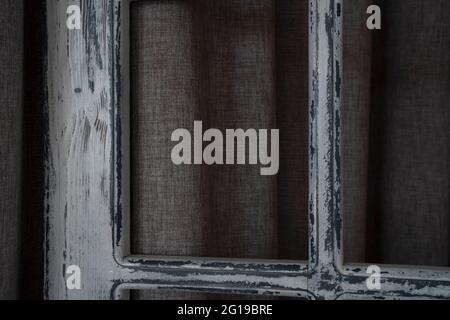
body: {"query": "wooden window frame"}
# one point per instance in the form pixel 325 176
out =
pixel 88 178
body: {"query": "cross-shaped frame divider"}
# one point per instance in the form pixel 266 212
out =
pixel 88 177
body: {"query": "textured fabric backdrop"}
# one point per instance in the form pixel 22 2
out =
pixel 231 64
pixel 11 100
pixel 411 113
pixel 22 42
pixel 396 137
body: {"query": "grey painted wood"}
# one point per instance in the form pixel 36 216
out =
pixel 79 151
pixel 87 201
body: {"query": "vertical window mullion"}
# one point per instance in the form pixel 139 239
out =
pixel 325 226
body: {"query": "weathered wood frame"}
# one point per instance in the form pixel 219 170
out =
pixel 87 177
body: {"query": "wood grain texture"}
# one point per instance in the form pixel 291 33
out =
pixel 79 150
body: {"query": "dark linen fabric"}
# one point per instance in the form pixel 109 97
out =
pixel 357 57
pixel 11 100
pixel 33 174
pixel 411 113
pixel 396 136
pixel 22 122
pixel 230 64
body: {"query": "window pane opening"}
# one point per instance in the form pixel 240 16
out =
pixel 396 148
pixel 198 65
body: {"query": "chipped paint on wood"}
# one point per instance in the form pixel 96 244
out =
pixel 88 186
pixel 79 150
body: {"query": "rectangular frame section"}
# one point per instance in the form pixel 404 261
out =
pixel 87 178
pixel 274 277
